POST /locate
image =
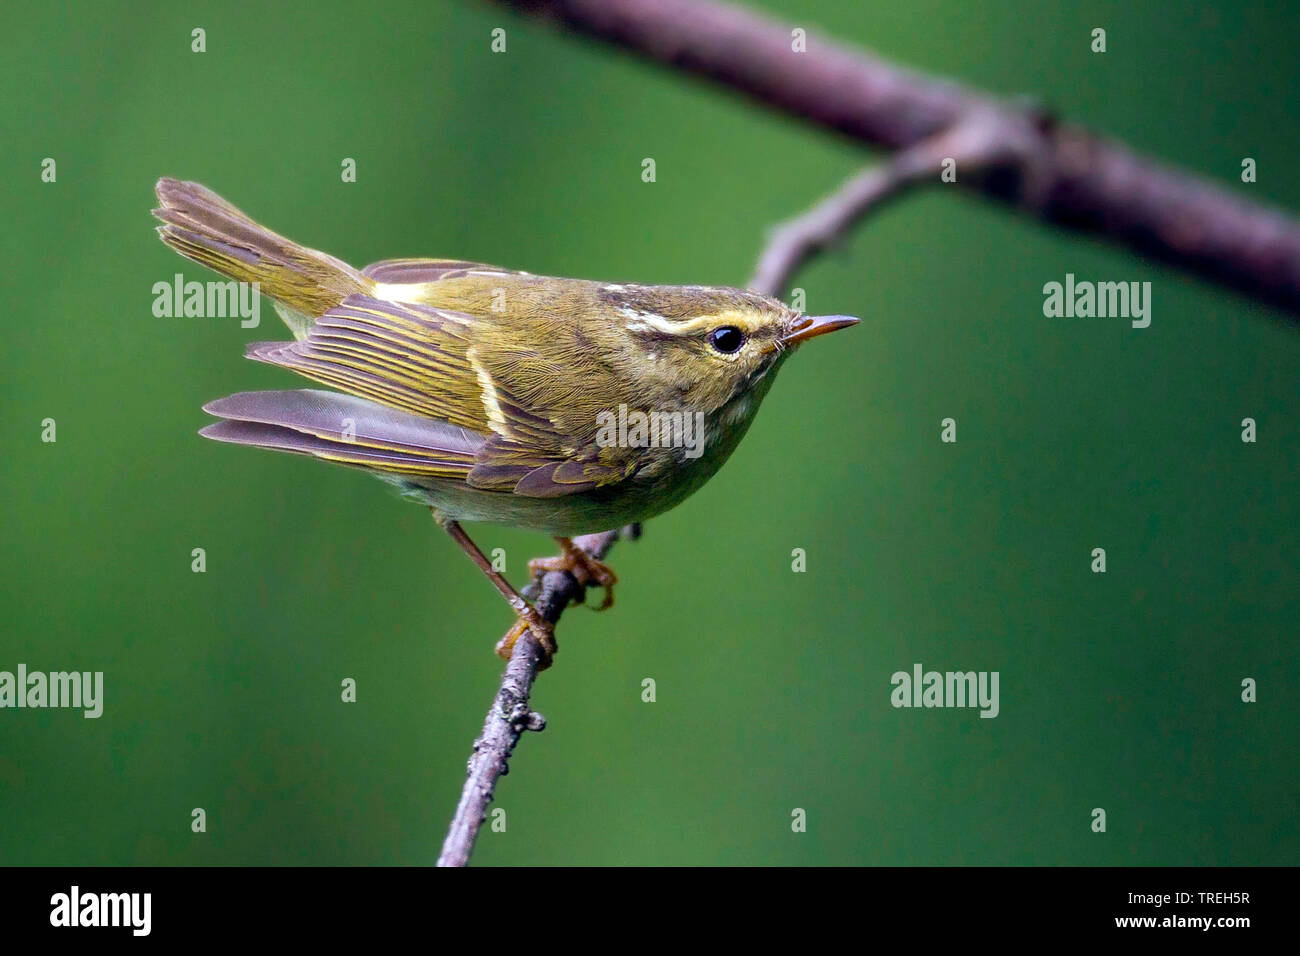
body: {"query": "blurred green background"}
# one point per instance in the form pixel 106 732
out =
pixel 222 689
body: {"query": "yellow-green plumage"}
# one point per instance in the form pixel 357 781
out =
pixel 482 390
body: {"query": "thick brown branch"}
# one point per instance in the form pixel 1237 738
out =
pixel 1072 177
pixel 509 715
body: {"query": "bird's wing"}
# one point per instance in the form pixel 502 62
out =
pixel 423 361
pixel 505 465
pixel 407 356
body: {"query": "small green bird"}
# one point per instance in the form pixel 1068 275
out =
pixel 561 405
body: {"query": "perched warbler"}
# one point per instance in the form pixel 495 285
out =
pixel 561 405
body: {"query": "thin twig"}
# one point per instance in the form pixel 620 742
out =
pixel 509 715
pixel 1074 178
pixel 980 141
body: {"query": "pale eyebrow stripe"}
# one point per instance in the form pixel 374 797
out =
pixel 640 321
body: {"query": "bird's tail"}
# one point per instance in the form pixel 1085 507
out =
pixel 202 226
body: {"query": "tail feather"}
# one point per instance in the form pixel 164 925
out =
pixel 204 228
pixel 345 429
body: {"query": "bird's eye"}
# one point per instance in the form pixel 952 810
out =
pixel 727 339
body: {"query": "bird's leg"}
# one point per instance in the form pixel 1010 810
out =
pixel 528 620
pixel 584 568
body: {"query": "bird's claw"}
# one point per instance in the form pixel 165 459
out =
pixel 541 629
pixel 586 570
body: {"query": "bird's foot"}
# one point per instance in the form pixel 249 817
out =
pixel 585 569
pixel 541 629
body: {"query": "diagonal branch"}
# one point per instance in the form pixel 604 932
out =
pixel 1072 177
pixel 509 715
pixel 978 143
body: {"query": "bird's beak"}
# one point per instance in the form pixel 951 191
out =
pixel 810 326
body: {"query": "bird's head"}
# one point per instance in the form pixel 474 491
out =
pixel 700 347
